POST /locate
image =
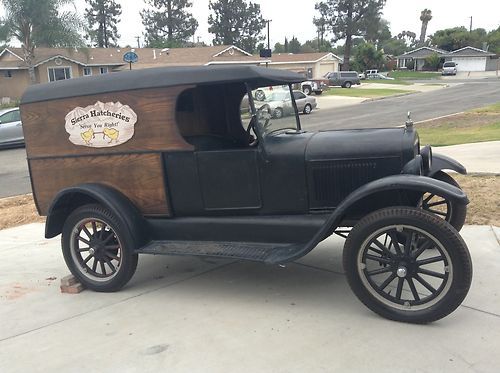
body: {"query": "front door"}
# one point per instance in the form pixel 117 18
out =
pixel 229 179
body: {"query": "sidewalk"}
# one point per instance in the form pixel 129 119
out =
pixel 183 314
pixel 480 157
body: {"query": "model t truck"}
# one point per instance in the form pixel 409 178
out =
pixel 160 161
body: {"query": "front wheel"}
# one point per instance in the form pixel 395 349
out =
pixel 407 265
pixel 278 113
pixel 307 109
pixel 97 249
pixel 307 90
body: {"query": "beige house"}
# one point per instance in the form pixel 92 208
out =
pixel 52 64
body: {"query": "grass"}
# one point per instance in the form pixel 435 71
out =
pixel 368 92
pixel 413 75
pixel 388 81
pixel 476 125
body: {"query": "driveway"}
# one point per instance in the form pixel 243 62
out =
pixel 182 314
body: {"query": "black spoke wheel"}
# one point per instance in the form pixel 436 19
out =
pixel 407 265
pixel 454 213
pixel 96 249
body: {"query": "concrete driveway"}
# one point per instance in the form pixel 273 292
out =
pixel 191 315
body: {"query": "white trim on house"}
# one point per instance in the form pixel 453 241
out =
pixel 440 51
pixel 59 67
pixel 8 50
pixel 310 61
pixel 483 52
pixel 58 56
pixel 229 48
pixel 13 68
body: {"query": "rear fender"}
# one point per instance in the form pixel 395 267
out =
pixel 443 162
pixel 71 198
pixel 397 183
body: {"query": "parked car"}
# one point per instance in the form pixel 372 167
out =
pixel 449 68
pixel 316 86
pixel 11 129
pixel 279 103
pixel 379 76
pixel 158 161
pixel 344 79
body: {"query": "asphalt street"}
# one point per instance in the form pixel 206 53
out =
pixel 14 176
pixel 391 112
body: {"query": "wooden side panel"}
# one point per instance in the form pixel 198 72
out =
pixel 138 176
pixel 155 130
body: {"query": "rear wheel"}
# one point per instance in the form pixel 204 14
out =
pixel 347 85
pixel 454 213
pixel 97 249
pixel 418 279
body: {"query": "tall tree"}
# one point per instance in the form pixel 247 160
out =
pixel 236 22
pixel 425 17
pixel 102 17
pixel 346 19
pixel 409 37
pixel 41 23
pixel 459 37
pixel 368 57
pixel 378 32
pixel 168 23
pixel 493 39
pixel 294 45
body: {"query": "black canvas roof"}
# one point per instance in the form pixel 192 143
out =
pixel 158 77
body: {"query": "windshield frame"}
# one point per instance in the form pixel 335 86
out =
pixel 254 119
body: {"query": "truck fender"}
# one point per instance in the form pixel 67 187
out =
pixel 71 198
pixel 396 182
pixel 443 162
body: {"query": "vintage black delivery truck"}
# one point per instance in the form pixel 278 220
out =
pixel 165 161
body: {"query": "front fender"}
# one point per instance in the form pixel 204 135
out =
pixel 396 182
pixel 443 162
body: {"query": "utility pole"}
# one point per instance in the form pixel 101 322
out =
pixel 470 27
pixel 268 38
pixel 138 41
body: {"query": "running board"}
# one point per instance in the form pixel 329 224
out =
pixel 255 251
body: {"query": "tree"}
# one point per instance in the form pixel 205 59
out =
pixel 433 61
pixel 346 19
pixel 409 37
pixel 395 47
pixel 294 45
pixel 102 17
pixel 425 17
pixel 168 23
pixel 316 45
pixel 493 39
pixel 368 57
pixel 459 37
pixel 378 32
pixel 236 22
pixel 40 23
pixel 279 48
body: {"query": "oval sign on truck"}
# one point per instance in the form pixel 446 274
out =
pixel 101 125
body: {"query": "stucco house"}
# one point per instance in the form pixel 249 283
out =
pixel 467 58
pixel 52 64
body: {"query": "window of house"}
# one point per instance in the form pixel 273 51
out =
pixel 59 73
pixel 7 74
pixel 87 71
pixel 103 70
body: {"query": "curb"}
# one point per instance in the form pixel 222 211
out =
pixel 392 96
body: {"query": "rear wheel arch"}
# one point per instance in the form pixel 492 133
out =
pixel 75 197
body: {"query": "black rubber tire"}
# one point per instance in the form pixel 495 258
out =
pixel 128 263
pixel 440 230
pixel 318 93
pixel 458 211
pixel 347 85
pixel 305 109
pixel 278 113
pixel 307 90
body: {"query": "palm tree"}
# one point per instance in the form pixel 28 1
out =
pixel 41 23
pixel 425 17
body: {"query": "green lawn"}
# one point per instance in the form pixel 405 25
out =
pixel 388 81
pixel 368 92
pixel 476 125
pixel 413 75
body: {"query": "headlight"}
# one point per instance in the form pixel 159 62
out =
pixel 426 153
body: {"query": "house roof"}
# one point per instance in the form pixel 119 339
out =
pixel 301 57
pixel 424 52
pixel 159 77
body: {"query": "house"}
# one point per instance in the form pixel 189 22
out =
pixel 52 64
pixel 467 58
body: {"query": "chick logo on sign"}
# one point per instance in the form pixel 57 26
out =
pixel 101 125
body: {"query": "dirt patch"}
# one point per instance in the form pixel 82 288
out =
pixel 18 210
pixel 484 196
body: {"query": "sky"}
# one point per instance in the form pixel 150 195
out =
pixel 294 17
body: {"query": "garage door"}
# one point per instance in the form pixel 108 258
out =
pixel 470 63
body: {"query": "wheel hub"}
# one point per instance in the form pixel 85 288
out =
pixel 402 272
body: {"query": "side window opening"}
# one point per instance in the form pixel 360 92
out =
pixel 208 117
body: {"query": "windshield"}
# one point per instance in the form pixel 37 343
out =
pixel 449 64
pixel 275 110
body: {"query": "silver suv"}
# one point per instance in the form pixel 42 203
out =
pixel 449 68
pixel 344 79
